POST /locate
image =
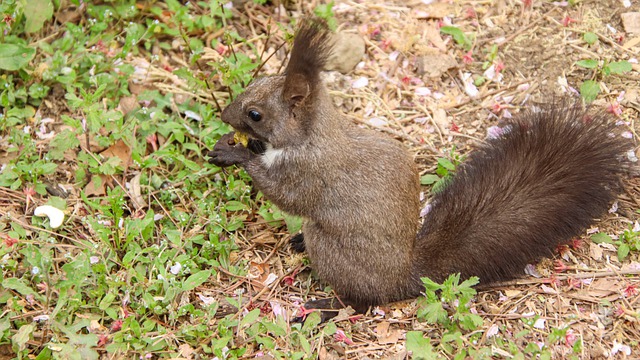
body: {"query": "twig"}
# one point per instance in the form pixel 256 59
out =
pixel 206 82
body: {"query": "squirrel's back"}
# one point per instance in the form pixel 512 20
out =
pixel 545 179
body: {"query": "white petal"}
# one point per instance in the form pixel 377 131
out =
pixel 377 122
pixel 193 115
pixel 620 348
pixel 55 215
pixel 493 331
pixel 423 91
pixel 207 300
pixel 270 279
pixel 41 318
pixel 175 269
pixel 360 83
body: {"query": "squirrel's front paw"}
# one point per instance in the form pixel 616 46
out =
pixel 226 152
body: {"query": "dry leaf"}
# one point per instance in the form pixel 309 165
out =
pixel 512 293
pixel 386 335
pixel 260 272
pixel 323 354
pixel 436 64
pixel 436 10
pixel 344 314
pixel 120 150
pixel 432 34
pixel 595 251
pixel 631 43
pixel 97 185
pixel 136 193
pixel 631 22
pixel 186 351
pixel 602 287
pixel 128 104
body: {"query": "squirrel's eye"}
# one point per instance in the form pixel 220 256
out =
pixel 254 115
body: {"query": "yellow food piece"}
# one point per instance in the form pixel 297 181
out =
pixel 241 138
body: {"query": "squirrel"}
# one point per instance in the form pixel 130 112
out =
pixel 515 198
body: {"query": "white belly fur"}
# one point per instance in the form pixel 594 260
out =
pixel 271 155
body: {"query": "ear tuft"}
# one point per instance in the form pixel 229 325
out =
pixel 312 46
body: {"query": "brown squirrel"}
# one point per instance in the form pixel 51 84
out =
pixel 539 184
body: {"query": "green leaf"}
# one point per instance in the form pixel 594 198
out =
pixel 588 63
pixel 429 179
pixel 235 206
pixel 294 223
pixel 63 141
pixel 251 317
pixel 311 322
pixel 196 279
pixel 106 301
pixel 420 346
pixel 460 37
pixel 618 67
pixel 472 281
pixel 23 335
pixel 15 57
pixel 430 285
pixel 446 163
pixel 623 251
pixel 470 322
pixel 304 343
pixel 590 38
pixel 330 329
pixel 17 285
pixel 36 13
pixel 601 238
pixel 4 325
pixel 326 12
pixel 589 90
pixel 433 313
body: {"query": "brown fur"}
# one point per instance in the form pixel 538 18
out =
pixel 511 202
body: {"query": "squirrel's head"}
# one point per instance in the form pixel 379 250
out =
pixel 281 109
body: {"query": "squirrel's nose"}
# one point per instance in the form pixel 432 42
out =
pixel 225 115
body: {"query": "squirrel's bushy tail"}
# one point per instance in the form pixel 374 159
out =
pixel 539 184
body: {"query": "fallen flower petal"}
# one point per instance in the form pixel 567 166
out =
pixel 116 325
pixel 175 269
pixel 493 331
pixel 620 348
pixel 539 324
pixel 341 336
pixel 9 241
pixel 360 83
pixel 55 215
pixel 207 300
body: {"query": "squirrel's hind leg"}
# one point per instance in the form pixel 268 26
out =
pixel 297 243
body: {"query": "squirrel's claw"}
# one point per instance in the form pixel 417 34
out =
pixel 226 152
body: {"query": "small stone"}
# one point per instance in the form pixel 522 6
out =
pixel 631 22
pixel 435 64
pixel 347 52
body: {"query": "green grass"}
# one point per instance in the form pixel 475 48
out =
pixel 114 277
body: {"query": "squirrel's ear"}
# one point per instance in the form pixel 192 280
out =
pixel 297 89
pixel 312 46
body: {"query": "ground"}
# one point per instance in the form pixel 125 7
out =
pixel 161 255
